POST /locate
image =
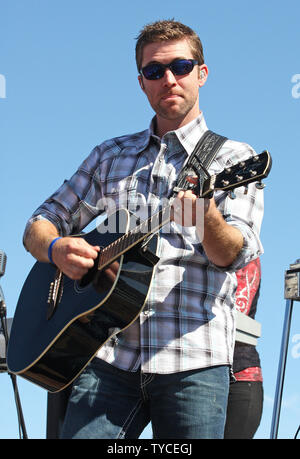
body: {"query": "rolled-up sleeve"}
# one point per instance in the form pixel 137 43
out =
pixel 74 204
pixel 244 212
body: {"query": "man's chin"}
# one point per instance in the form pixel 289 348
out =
pixel 172 112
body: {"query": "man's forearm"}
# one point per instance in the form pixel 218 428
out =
pixel 72 255
pixel 39 237
pixel 221 242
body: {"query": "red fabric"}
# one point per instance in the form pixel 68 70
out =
pixel 249 374
pixel 248 281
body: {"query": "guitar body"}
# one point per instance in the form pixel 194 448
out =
pixel 51 349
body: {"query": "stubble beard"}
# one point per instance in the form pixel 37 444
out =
pixel 175 111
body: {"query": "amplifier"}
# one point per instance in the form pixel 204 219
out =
pixel 247 329
pixel 292 282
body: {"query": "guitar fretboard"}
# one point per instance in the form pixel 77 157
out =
pixel 133 237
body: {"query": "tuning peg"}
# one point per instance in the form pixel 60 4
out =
pixel 231 194
pixel 225 182
pixel 260 185
pixel 239 178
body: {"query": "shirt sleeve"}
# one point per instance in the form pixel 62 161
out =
pixel 74 204
pixel 245 212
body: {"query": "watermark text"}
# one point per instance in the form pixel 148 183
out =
pixel 148 217
pixel 296 87
pixel 150 448
pixel 2 87
pixel 296 347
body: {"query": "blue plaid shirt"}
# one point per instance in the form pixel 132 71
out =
pixel 188 321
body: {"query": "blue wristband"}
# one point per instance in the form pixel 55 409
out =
pixel 50 249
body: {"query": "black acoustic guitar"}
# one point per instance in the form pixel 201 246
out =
pixel 60 324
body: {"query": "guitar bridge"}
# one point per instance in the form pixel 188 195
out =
pixel 55 293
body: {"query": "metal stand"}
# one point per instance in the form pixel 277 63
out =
pixel 5 331
pixel 292 293
pixel 281 368
pixel 4 336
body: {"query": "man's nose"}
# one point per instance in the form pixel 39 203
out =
pixel 169 78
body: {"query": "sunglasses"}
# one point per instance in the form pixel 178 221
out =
pixel 156 71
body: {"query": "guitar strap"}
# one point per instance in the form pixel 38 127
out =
pixel 199 161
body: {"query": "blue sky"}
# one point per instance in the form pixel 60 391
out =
pixel 68 81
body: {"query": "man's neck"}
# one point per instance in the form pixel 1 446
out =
pixel 162 125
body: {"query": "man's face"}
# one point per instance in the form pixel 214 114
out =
pixel 173 97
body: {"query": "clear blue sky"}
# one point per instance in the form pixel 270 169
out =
pixel 71 83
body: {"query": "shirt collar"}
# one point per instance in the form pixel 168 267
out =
pixel 188 135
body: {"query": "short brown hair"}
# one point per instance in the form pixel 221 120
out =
pixel 166 30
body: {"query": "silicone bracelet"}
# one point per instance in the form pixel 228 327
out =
pixel 50 249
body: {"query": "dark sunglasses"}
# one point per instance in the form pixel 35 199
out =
pixel 156 71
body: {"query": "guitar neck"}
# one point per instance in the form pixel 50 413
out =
pixel 251 170
pixel 150 226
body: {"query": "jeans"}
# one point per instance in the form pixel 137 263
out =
pixel 244 410
pixel 107 402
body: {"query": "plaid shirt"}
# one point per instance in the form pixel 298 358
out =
pixel 188 321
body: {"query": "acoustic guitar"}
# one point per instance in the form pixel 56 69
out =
pixel 60 324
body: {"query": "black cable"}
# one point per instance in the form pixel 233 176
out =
pixel 21 422
pixel 297 433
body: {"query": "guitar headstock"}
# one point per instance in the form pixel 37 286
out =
pixel 251 170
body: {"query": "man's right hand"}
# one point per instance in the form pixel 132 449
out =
pixel 74 256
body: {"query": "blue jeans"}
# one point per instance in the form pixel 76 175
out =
pixel 107 402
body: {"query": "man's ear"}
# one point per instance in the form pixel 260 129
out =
pixel 140 78
pixel 203 74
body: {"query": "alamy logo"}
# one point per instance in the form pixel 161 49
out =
pixel 296 87
pixel 2 87
pixel 296 347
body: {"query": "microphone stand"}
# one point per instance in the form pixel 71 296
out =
pixel 22 427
